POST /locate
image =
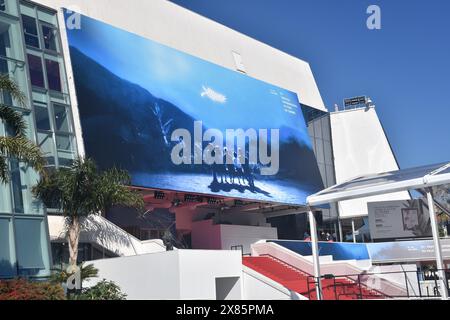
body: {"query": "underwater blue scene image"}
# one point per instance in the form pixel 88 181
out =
pixel 159 113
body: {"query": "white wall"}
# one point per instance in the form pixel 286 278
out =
pixel 232 235
pixel 242 218
pixel 174 26
pixel 180 274
pixel 200 268
pixel 206 235
pixel 360 147
pixel 154 276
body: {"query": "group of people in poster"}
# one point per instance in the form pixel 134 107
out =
pixel 239 171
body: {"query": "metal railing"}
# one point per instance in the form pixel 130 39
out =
pixel 240 248
pixel 415 285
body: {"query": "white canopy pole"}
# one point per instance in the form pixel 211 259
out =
pixel 437 246
pixel 353 231
pixel 315 253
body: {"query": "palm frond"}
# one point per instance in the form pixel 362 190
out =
pixel 10 86
pixel 114 190
pixel 49 191
pixel 23 150
pixel 4 172
pixel 14 119
pixel 83 190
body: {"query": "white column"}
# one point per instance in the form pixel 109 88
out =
pixel 341 235
pixel 437 246
pixel 315 253
pixel 353 231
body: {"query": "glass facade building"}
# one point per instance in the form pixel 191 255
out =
pixel 319 129
pixel 30 53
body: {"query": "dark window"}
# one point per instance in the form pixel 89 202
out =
pixel 36 71
pixel 53 75
pixel 2 5
pixel 30 31
pixel 49 34
pixel 61 118
pixel 42 118
pixel 17 187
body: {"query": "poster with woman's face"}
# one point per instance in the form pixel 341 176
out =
pixel 410 219
pixel 399 219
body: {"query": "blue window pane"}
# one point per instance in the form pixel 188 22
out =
pixel 30 31
pixel 30 246
pixel 36 71
pixel 42 118
pixel 7 266
pixel 61 118
pixel 16 185
pixel 49 34
pixel 64 142
pixel 53 75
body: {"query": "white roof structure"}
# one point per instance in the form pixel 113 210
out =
pixel 400 180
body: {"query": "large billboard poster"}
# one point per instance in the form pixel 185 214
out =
pixel 177 122
pixel 399 219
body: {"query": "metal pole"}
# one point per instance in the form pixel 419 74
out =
pixel 315 253
pixel 341 235
pixel 353 231
pixel 437 246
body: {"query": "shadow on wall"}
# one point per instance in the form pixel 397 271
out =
pixel 7 269
pixel 10 270
pixel 105 233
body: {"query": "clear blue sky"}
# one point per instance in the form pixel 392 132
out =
pixel 404 67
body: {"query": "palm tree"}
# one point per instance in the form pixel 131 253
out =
pixel 15 145
pixel 82 190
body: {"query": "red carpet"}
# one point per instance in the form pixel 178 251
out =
pixel 296 280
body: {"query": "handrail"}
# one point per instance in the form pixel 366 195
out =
pixel 389 287
pixel 288 264
pixel 353 282
pixel 436 288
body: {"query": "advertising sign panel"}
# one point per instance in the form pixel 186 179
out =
pixel 177 122
pixel 399 219
pixel 403 251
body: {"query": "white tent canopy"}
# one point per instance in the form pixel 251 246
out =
pixel 401 180
pixel 424 177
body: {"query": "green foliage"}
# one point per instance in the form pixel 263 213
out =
pixel 82 189
pixel 111 191
pixel 104 290
pixel 22 289
pixel 87 272
pixel 13 119
pixel 17 145
pixel 8 85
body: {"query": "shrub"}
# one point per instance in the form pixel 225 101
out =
pixel 104 290
pixel 21 289
pixel 87 272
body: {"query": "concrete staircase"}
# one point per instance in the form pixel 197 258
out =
pixel 105 234
pixel 296 280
